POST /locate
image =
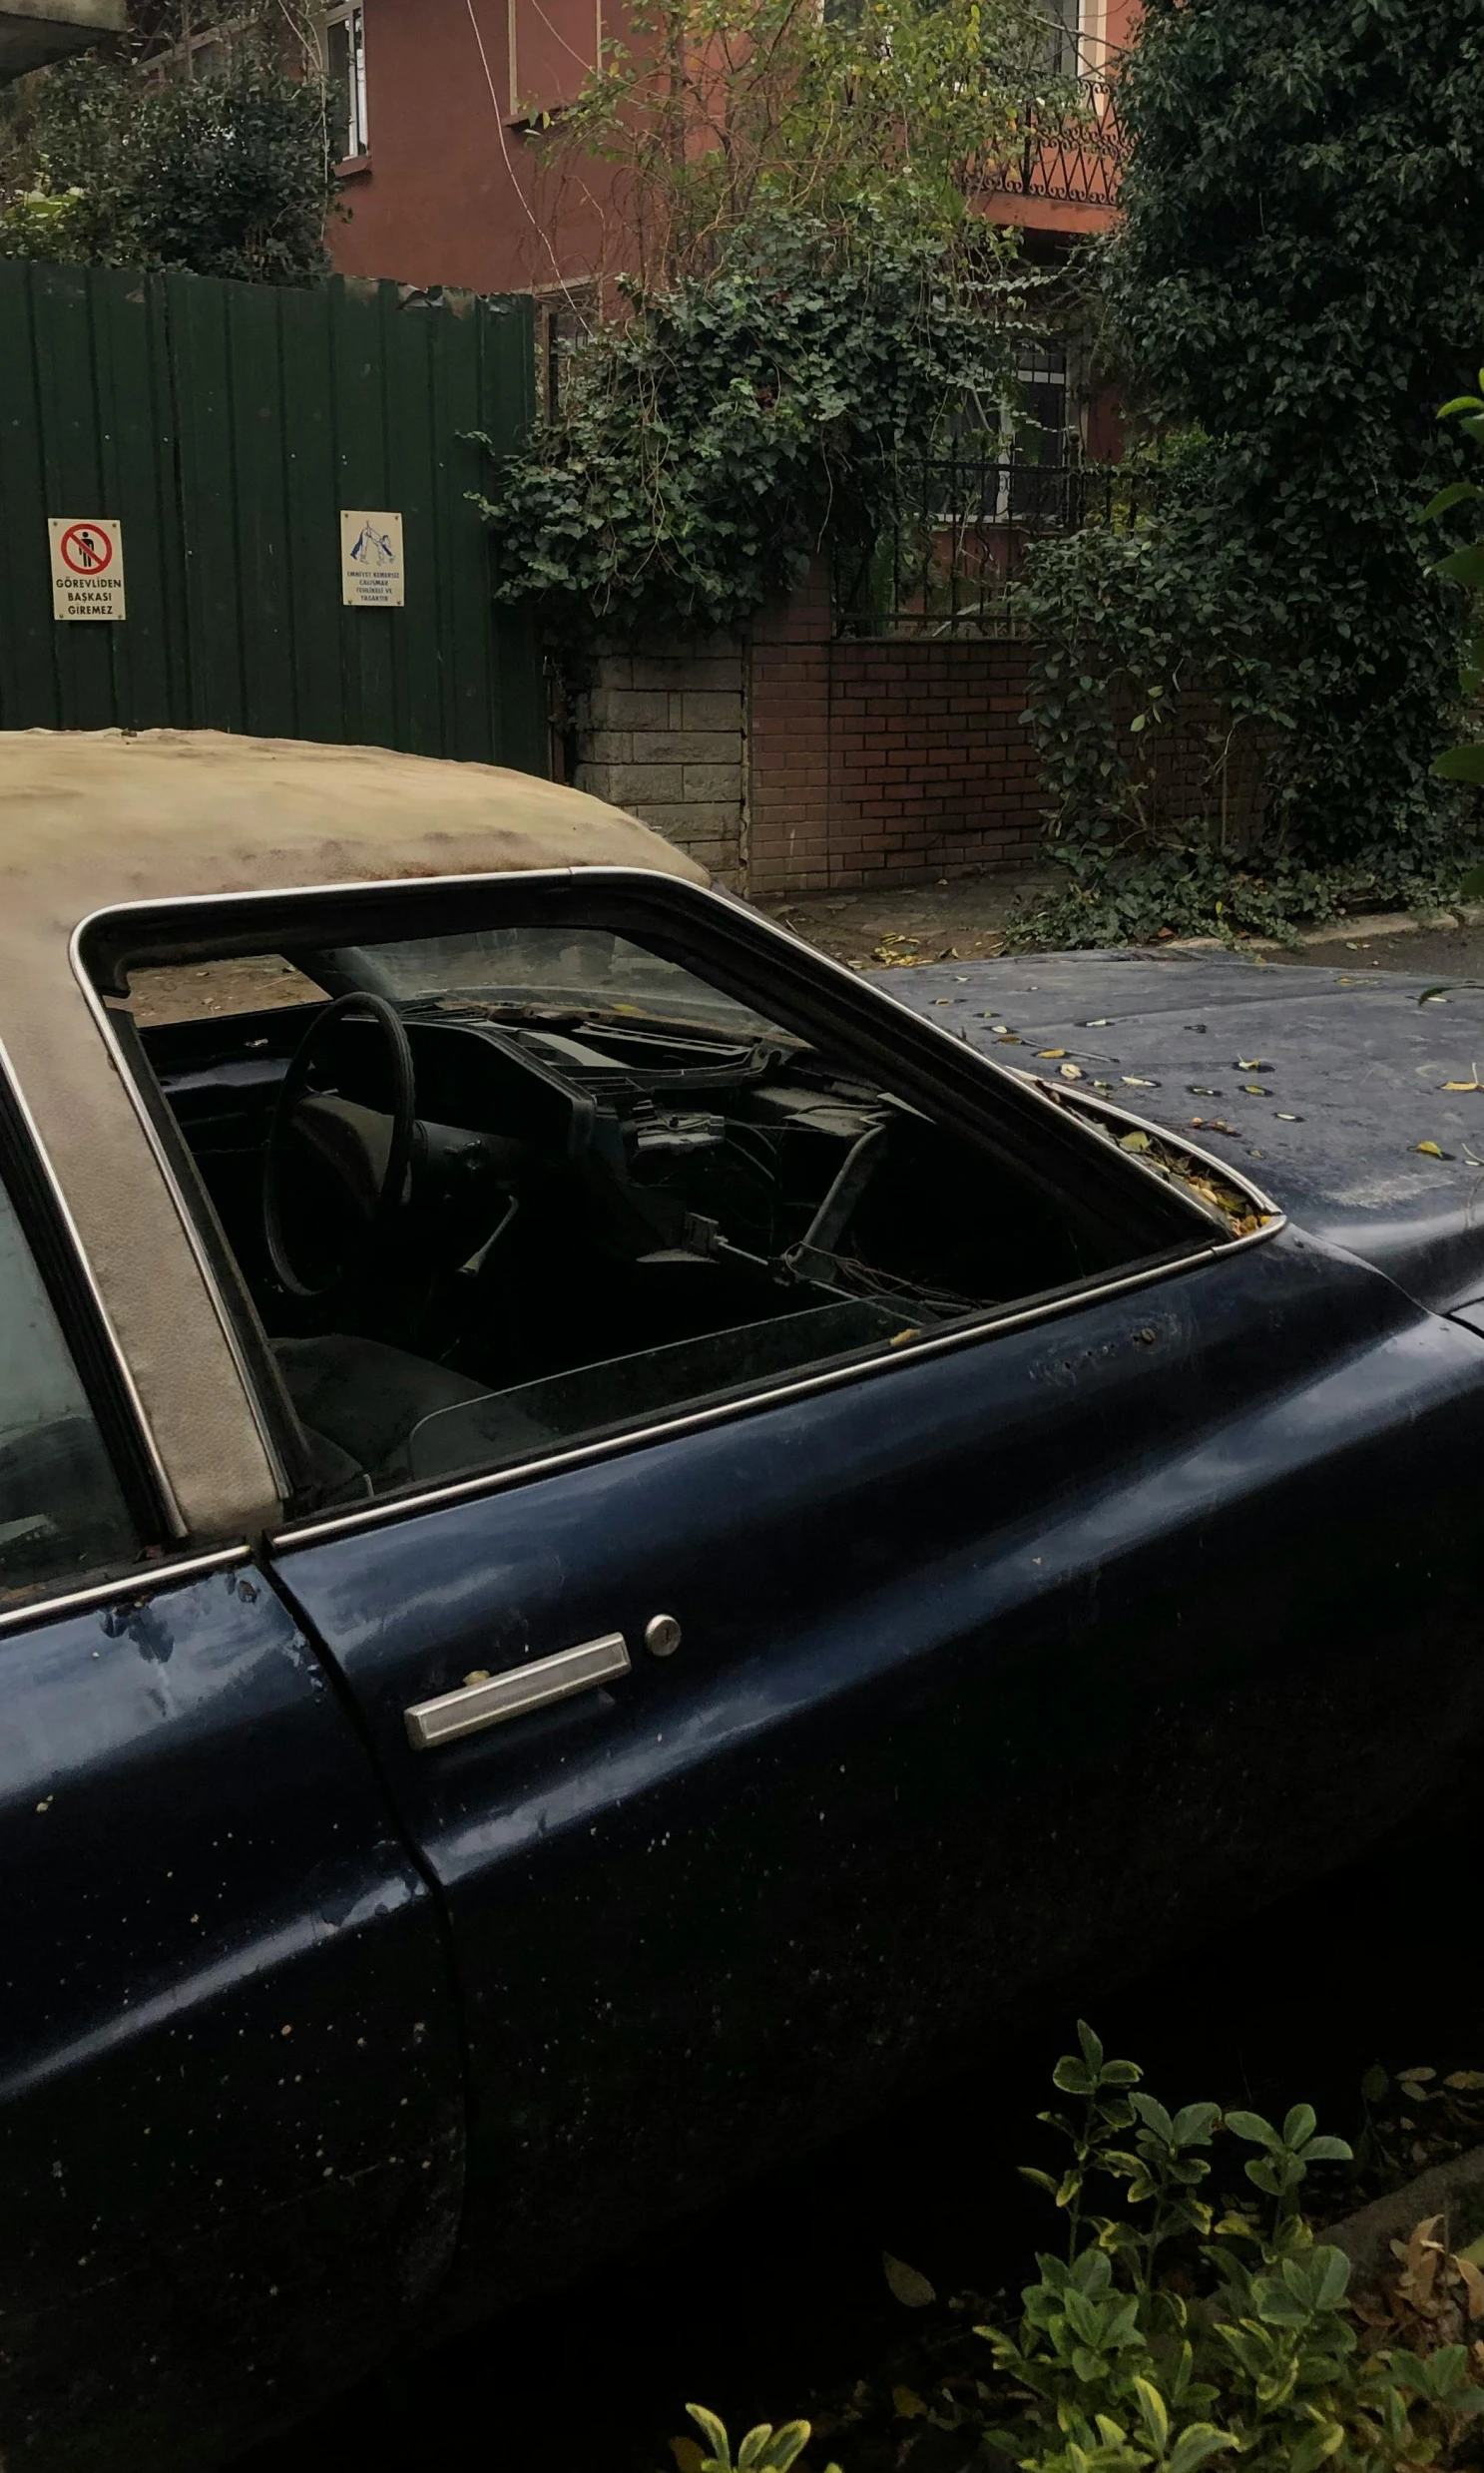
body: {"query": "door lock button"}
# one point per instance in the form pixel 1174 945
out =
pixel 661 1636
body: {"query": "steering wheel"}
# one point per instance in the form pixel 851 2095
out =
pixel 378 1196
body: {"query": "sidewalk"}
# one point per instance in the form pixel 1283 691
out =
pixel 962 919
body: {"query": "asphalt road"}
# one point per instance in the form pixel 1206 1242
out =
pixel 1436 953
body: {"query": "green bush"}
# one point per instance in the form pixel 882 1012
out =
pixel 1170 2332
pixel 710 444
pixel 1302 252
pixel 226 176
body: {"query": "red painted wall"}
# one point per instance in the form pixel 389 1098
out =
pixel 451 190
pixel 448 192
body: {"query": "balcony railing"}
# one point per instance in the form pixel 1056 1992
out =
pixel 949 563
pixel 1074 152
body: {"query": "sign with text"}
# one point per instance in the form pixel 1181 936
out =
pixel 87 566
pixel 372 575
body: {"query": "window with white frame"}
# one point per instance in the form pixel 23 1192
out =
pixel 345 75
pixel 1063 37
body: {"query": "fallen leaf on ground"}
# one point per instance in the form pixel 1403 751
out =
pixel 1431 1151
pixel 1070 1073
pixel 1051 1051
pixel 1134 1142
pixel 907 2404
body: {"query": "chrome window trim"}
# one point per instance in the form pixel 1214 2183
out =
pixel 184 1211
pixel 175 1520
pixel 318 1529
pixel 135 1586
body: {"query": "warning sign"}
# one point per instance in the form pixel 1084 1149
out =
pixel 87 566
pixel 370 560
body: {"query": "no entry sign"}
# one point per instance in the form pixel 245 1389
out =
pixel 87 566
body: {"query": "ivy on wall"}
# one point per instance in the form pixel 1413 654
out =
pixel 809 296
pixel 709 444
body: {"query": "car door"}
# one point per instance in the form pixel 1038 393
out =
pixel 904 1697
pixel 229 2117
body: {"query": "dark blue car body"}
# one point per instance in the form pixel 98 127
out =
pixel 1009 1661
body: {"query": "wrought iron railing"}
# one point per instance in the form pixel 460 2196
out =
pixel 1076 157
pixel 1070 144
pixel 948 564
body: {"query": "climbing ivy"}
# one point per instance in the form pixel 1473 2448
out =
pixel 1297 284
pixel 710 443
pixel 810 295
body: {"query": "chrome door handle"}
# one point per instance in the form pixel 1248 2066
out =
pixel 494 1698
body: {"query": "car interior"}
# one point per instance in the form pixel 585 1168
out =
pixel 495 1191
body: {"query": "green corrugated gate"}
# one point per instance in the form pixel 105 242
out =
pixel 224 425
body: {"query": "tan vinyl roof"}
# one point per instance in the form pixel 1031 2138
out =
pixel 88 820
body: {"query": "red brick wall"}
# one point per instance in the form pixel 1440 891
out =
pixel 796 762
pixel 897 759
pixel 883 760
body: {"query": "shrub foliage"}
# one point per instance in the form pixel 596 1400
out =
pixel 227 175
pixel 1297 281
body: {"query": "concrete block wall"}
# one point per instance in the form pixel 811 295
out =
pixel 663 735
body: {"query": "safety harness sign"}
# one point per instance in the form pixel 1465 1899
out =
pixel 371 575
pixel 87 566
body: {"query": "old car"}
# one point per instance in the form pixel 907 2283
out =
pixel 612 1546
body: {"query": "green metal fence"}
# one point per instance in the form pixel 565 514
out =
pixel 225 426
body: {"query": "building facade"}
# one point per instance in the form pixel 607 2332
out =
pixel 445 105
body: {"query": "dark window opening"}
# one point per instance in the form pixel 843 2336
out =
pixel 508 1188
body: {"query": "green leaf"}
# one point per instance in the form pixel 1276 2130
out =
pixel 1153 2117
pixel 1092 2048
pixel 1460 403
pixel 789 2442
pixel 1327 2149
pixel 1464 566
pixel 1313 2450
pixel 912 2290
pixel 1460 764
pixel 1457 494
pixel 713 2432
pixel 1153 2413
pixel 1072 2076
pixel 1256 2131
pixel 1195 2445
pixel 1299 2126
pixel 1329 2274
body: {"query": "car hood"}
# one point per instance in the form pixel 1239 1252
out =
pixel 1319 1083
